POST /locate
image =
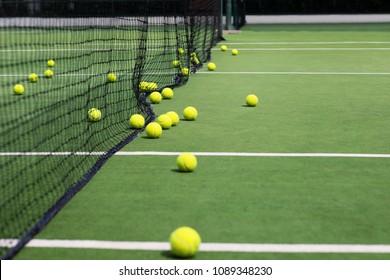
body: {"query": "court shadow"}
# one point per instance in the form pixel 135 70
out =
pixel 147 137
pixel 185 120
pixel 169 255
pixel 177 170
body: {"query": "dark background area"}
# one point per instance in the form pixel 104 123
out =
pixel 9 8
pixel 280 7
pixel 105 8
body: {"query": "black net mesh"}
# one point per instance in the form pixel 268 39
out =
pixel 49 149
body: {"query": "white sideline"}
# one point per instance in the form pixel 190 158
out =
pixel 224 73
pixel 231 73
pixel 291 73
pixel 205 247
pixel 314 49
pixel 241 49
pixel 318 19
pixel 243 154
pixel 209 154
pixel 309 43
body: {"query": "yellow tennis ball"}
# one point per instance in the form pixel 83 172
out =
pixel 224 48
pixel 211 66
pixel 174 117
pixel 190 113
pixel 94 115
pixel 136 121
pixel 143 86
pixel 51 63
pixel 194 58
pixel 251 100
pixel 153 130
pixel 234 52
pixel 185 71
pixel 111 77
pixel 33 78
pixel 180 51
pixel 186 162
pixel 185 242
pixel 176 63
pixel 155 97
pixel 18 89
pixel 152 86
pixel 165 121
pixel 48 74
pixel 167 93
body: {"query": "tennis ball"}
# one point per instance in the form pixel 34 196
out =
pixel 174 117
pixel 211 66
pixel 194 58
pixel 186 162
pixel 251 100
pixel 111 77
pixel 33 78
pixel 143 86
pixel 51 63
pixel 180 51
pixel 18 89
pixel 184 242
pixel 185 71
pixel 167 93
pixel 153 130
pixel 155 97
pixel 48 74
pixel 224 48
pixel 176 63
pixel 190 113
pixel 234 52
pixel 137 121
pixel 94 114
pixel 165 121
pixel 152 86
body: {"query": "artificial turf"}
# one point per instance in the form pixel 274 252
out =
pixel 254 199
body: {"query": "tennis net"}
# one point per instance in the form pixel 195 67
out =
pixel 49 149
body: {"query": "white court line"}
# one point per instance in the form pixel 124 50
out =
pixel 67 50
pixel 52 153
pixel 243 154
pixel 77 50
pixel 208 154
pixel 205 247
pixel 219 73
pixel 307 43
pixel 313 49
pixel 292 73
pixel 122 73
pixel 57 75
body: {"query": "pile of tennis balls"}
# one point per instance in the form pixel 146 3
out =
pixel 145 86
pixel 19 89
pixel 163 122
pixel 185 240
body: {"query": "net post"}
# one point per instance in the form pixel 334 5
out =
pixel 228 24
pixel 220 22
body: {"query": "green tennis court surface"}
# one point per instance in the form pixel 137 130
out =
pixel 321 88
